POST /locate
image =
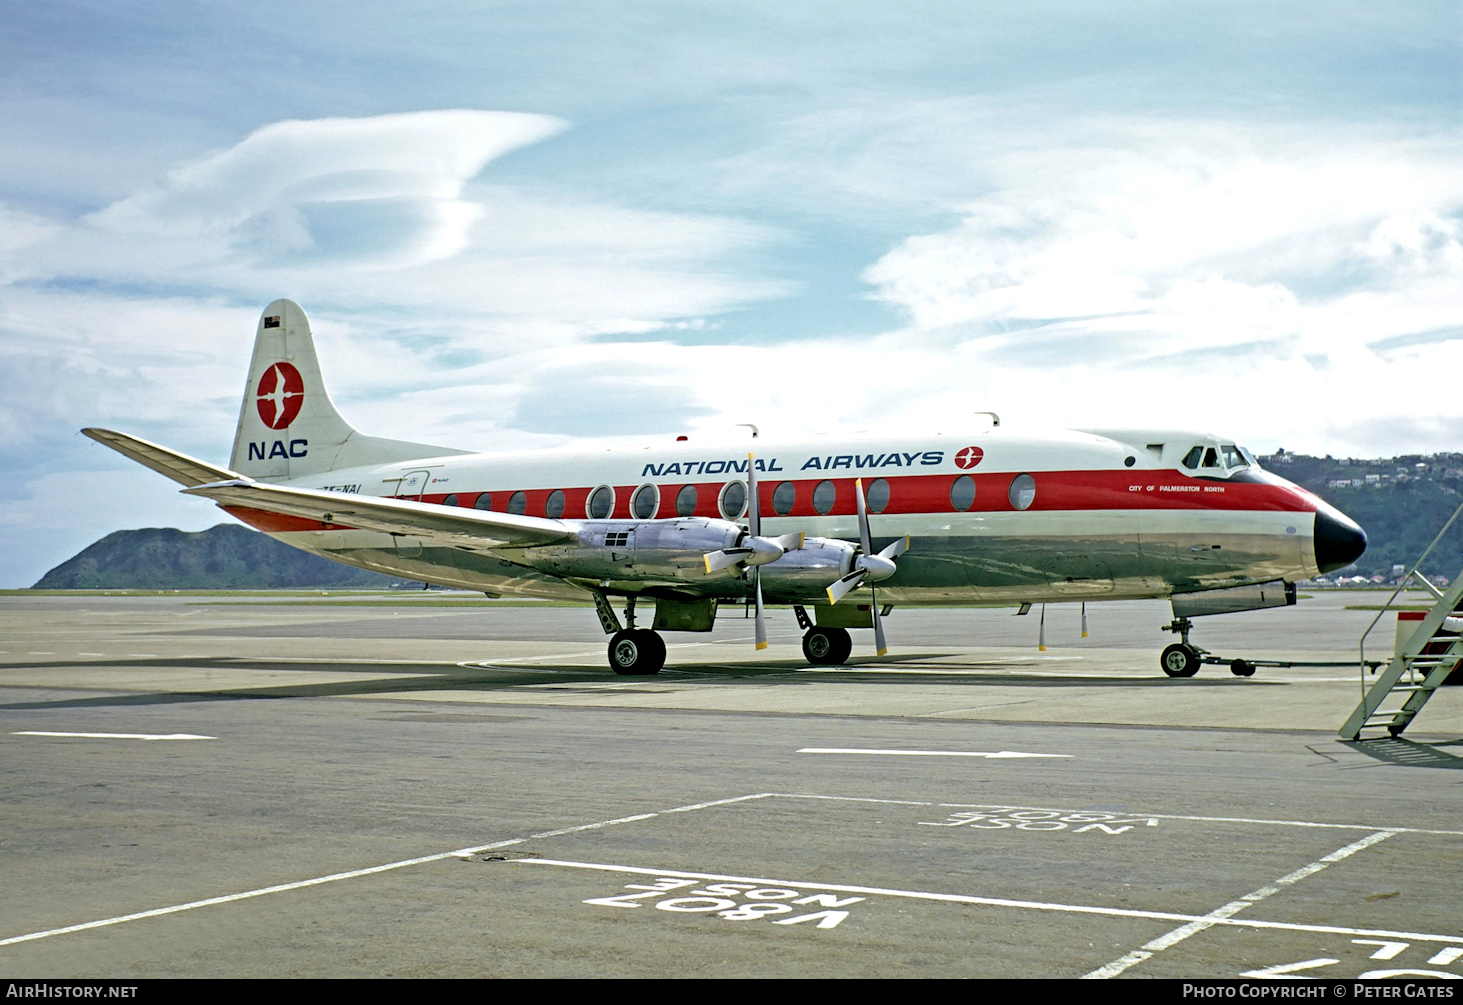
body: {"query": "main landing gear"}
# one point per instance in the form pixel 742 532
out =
pixel 636 652
pixel 827 646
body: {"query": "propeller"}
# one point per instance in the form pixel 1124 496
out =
pixel 754 550
pixel 868 567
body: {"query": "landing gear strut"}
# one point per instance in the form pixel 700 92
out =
pixel 827 646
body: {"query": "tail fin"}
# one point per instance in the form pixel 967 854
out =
pixel 288 426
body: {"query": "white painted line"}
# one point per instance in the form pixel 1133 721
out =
pixel 357 873
pixel 925 753
pixel 115 736
pixel 1035 905
pixel 1221 914
pixel 91 654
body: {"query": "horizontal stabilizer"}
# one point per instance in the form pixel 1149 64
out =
pixel 445 525
pixel 180 468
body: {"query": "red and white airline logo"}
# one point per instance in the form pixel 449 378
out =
pixel 969 457
pixel 280 395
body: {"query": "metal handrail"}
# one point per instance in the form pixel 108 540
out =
pixel 1401 585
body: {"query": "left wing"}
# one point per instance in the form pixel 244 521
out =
pixel 447 525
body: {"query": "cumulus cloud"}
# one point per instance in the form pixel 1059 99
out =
pixel 1197 234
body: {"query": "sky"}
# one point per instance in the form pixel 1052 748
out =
pixel 518 224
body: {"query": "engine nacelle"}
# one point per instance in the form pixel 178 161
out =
pixel 640 550
pixel 803 575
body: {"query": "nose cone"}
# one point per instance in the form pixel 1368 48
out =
pixel 1339 541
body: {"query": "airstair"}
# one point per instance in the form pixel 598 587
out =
pixel 1422 661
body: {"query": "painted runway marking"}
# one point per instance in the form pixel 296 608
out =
pixel 1386 950
pixel 925 753
pixel 1222 914
pixel 115 736
pixel 1208 920
pixel 1076 822
pixel 1156 816
pixel 740 901
pixel 369 871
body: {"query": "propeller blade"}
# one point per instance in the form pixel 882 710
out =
pixel 897 548
pixel 850 582
pixel 754 515
pixel 761 618
pixel 791 542
pixel 880 646
pixel 863 515
pixel 718 560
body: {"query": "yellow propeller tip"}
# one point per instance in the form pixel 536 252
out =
pixel 761 646
pixel 881 652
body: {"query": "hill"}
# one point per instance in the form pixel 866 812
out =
pixel 226 557
pixel 1401 502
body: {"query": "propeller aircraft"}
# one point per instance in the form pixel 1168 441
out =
pixel 961 517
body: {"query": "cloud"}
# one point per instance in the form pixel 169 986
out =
pixel 1196 234
pixel 384 190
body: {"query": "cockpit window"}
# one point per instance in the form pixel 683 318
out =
pixel 1233 456
pixel 1211 458
pixel 1191 459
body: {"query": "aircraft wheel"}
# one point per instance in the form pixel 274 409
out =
pixel 827 646
pixel 1241 668
pixel 637 653
pixel 1179 660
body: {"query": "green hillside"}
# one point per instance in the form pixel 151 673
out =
pixel 1401 503
pixel 226 557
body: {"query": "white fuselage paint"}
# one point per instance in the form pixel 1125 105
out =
pixel 1110 520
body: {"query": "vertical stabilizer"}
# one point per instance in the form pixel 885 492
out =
pixel 288 426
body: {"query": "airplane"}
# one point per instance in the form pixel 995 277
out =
pixel 846 528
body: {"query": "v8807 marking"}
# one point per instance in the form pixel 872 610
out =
pixel 1042 820
pixel 732 901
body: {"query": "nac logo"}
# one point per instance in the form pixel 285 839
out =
pixel 280 395
pixel 969 457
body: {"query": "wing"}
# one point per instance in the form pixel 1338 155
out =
pixel 447 525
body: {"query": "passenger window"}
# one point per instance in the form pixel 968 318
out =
pixel 783 498
pixel 450 501
pixel 686 501
pixel 484 501
pixel 824 495
pixel 962 493
pixel 517 503
pixel 554 506
pixel 878 495
pixel 645 502
pixel 733 501
pixel 601 503
pixel 1023 491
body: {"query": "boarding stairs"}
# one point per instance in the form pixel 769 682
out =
pixel 1422 661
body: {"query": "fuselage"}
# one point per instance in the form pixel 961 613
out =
pixel 995 516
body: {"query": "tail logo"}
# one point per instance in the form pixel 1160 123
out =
pixel 280 395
